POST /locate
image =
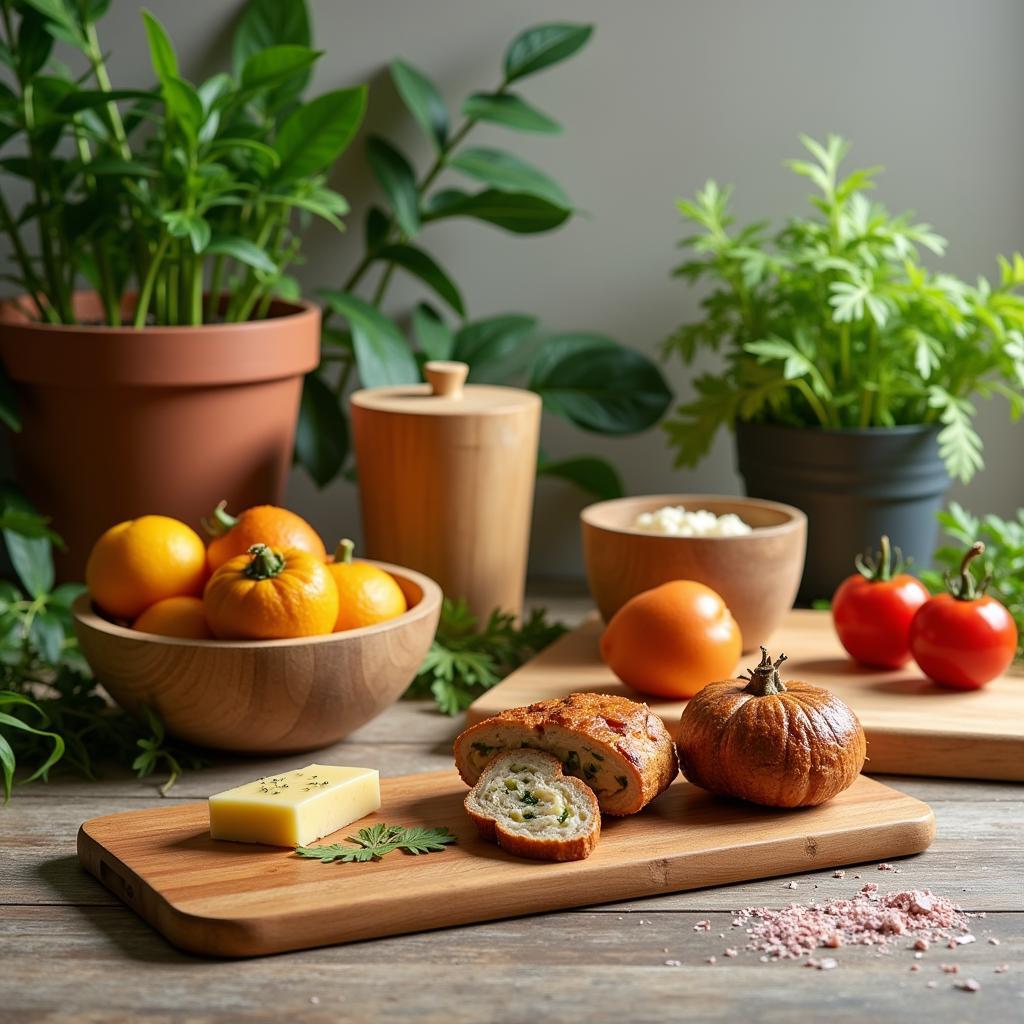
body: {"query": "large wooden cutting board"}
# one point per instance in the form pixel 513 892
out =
pixel 913 726
pixel 236 899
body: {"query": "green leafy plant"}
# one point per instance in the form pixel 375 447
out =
pixel 171 190
pixel 1003 559
pixel 379 840
pixel 584 377
pixel 833 321
pixel 51 711
pixel 466 659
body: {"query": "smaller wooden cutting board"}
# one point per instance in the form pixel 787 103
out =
pixel 238 899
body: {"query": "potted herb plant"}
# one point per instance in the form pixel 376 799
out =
pixel 156 354
pixel 851 369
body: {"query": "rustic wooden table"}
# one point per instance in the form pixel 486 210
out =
pixel 70 952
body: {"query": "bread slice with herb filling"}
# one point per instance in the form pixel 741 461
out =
pixel 525 803
pixel 615 745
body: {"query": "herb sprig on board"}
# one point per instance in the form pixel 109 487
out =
pixel 465 659
pixel 379 840
pixel 1004 557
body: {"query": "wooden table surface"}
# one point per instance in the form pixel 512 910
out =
pixel 71 952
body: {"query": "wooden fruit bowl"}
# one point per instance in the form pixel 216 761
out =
pixel 265 696
pixel 757 574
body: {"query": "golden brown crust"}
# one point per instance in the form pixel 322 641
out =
pixel 621 728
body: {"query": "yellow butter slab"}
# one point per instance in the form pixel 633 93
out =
pixel 294 808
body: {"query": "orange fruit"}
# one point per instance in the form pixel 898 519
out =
pixel 175 616
pixel 673 640
pixel 263 524
pixel 366 594
pixel 141 561
pixel 267 594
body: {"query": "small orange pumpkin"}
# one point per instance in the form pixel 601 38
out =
pixel 276 527
pixel 269 595
pixel 773 743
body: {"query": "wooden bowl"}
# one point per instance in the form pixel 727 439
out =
pixel 757 574
pixel 265 696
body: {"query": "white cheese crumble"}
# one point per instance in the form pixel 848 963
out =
pixel 675 521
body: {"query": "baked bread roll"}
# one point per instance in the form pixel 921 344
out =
pixel 615 745
pixel 526 804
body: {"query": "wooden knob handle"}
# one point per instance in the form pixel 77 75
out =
pixel 446 378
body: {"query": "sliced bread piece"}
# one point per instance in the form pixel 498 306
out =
pixel 525 803
pixel 615 745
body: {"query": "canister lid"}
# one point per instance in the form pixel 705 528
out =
pixel 445 394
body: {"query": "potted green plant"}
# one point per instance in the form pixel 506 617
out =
pixel 850 368
pixel 175 378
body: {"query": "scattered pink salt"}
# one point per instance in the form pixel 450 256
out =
pixel 702 926
pixel 915 967
pixel 869 888
pixel 993 942
pixel 1001 968
pixel 712 959
pixel 792 885
pixel 950 968
pixel 931 984
pixel 839 874
pixel 968 985
pixel 673 963
pixel 886 867
pixel 921 944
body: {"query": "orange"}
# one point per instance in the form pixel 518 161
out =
pixel 141 561
pixel 673 640
pixel 366 594
pixel 267 594
pixel 263 524
pixel 175 616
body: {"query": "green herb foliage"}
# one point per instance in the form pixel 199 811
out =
pixel 465 659
pixel 833 321
pixel 1003 558
pixel 379 840
pixel 51 711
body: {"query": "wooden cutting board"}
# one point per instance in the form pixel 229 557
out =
pixel 236 899
pixel 913 726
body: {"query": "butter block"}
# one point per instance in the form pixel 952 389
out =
pixel 296 807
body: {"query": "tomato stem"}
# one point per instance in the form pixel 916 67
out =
pixel 217 524
pixel 964 587
pixel 265 564
pixel 889 562
pixel 765 679
pixel 343 552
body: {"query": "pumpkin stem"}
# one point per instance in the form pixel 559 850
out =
pixel 765 680
pixel 266 563
pixel 343 552
pixel 964 587
pixel 889 562
pixel 220 521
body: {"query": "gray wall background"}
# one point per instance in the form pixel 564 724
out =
pixel 667 94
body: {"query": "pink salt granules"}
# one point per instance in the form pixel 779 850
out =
pixel 869 919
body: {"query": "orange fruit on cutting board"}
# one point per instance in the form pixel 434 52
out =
pixel 141 561
pixel 366 594
pixel 673 640
pixel 267 594
pixel 175 616
pixel 276 527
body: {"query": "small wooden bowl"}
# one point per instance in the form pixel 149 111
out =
pixel 265 696
pixel 757 574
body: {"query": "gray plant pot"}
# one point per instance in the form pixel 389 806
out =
pixel 854 485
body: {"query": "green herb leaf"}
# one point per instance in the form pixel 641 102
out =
pixel 379 840
pixel 421 265
pixel 423 100
pixel 508 173
pixel 321 436
pixel 509 110
pixel 543 45
pixel 432 334
pixel 396 177
pixel 592 474
pixel 513 211
pixel 161 49
pixel 316 134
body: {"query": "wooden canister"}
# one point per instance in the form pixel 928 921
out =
pixel 446 474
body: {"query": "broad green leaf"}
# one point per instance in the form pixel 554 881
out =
pixel 213 89
pixel 275 65
pixel 48 636
pixel 87 99
pixel 57 12
pixel 184 106
pixel 32 559
pixel 321 437
pixel 509 174
pixel 375 228
pixel 541 46
pixel 266 23
pixel 599 385
pixel 433 335
pixel 243 250
pixel 321 206
pixel 382 354
pixel 598 477
pixel 8 763
pixel 490 346
pixel 423 266
pixel 115 166
pixel 396 176
pixel 423 100
pixel 512 211
pixel 34 44
pixel 510 110
pixel 161 49
pixel 316 134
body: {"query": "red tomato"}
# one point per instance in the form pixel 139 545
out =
pixel 872 610
pixel 963 639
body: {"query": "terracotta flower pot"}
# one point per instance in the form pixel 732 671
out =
pixel 119 422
